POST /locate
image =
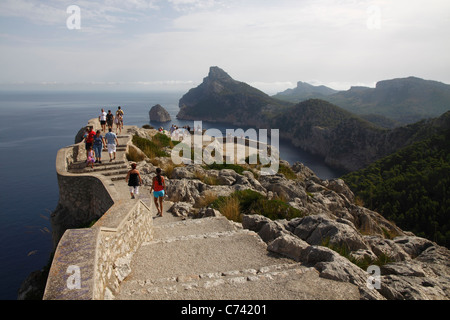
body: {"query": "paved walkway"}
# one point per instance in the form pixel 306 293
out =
pixel 212 259
pixel 209 258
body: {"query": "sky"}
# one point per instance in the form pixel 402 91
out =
pixel 171 44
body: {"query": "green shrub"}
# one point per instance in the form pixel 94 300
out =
pixel 252 202
pixel 287 171
pixel 151 148
pixel 215 166
pixel 364 262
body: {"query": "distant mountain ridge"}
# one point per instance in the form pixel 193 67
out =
pixel 304 91
pixel 342 138
pixel 405 100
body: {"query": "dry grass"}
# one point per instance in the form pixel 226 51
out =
pixel 230 209
pixel 135 155
pixel 210 180
pixel 359 201
pixel 208 198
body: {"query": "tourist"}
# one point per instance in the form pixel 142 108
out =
pixel 98 146
pixel 158 185
pixel 109 119
pixel 134 180
pixel 119 120
pixel 112 143
pixel 102 119
pixel 120 112
pixel 90 157
pixel 89 139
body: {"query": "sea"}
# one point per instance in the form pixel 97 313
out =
pixel 33 127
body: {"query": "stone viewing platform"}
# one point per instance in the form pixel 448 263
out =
pixel 89 263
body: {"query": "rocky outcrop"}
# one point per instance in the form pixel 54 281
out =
pixel 335 236
pixel 420 269
pixel 158 114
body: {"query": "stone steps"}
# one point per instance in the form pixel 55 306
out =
pixel 212 258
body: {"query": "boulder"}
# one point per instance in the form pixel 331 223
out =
pixel 158 114
pixel 284 188
pixel 289 246
pixel 266 228
pixel 318 229
pixel 208 212
pixel 181 209
pixel 184 190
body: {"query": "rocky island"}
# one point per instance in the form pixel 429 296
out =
pixel 158 114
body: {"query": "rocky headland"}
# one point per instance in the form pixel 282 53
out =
pixel 334 234
pixel 342 138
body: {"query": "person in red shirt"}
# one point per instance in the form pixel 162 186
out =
pixel 158 186
pixel 89 139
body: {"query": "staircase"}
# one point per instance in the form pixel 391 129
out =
pixel 115 170
pixel 213 259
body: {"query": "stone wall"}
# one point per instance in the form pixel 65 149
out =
pixel 90 263
pixel 117 245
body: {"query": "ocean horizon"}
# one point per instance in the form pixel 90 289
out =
pixel 38 124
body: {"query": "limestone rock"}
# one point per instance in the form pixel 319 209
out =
pixel 158 114
pixel 289 246
pixel 318 228
pixel 181 209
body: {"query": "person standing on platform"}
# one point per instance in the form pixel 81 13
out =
pixel 102 119
pixel 111 143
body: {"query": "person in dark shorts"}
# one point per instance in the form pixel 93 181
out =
pixel 89 139
pixel 109 119
pixel 134 180
pixel 102 119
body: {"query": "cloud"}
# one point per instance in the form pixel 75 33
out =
pixel 267 43
pixel 190 5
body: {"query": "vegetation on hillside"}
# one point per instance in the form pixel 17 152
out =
pixel 411 187
pixel 151 148
pixel 252 202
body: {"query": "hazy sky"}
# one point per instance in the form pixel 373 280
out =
pixel 170 44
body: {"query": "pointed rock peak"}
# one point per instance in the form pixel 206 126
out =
pixel 215 73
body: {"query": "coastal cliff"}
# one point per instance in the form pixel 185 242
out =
pixel 343 139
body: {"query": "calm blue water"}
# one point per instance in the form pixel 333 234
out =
pixel 34 126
